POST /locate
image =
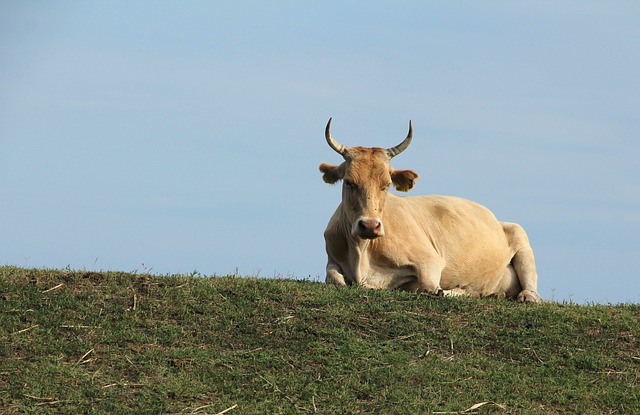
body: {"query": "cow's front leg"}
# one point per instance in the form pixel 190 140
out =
pixel 428 276
pixel 334 275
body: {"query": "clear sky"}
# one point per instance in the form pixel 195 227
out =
pixel 186 136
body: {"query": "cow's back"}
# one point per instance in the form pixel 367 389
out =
pixel 464 233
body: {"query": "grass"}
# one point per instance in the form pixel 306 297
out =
pixel 117 343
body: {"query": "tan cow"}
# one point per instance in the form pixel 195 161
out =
pixel 425 243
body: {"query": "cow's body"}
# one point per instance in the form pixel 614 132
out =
pixel 425 243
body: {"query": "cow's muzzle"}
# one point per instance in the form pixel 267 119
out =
pixel 368 228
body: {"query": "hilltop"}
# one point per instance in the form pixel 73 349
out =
pixel 113 343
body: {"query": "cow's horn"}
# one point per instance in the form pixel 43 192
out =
pixel 394 151
pixel 339 148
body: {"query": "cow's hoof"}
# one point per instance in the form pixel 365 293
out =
pixel 437 293
pixel 528 296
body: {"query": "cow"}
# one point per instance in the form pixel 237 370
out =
pixel 437 245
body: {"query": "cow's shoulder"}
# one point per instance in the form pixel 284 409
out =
pixel 335 237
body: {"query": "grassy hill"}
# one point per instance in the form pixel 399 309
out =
pixel 111 343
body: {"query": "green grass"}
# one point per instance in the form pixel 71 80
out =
pixel 112 343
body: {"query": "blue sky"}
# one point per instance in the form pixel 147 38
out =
pixel 186 136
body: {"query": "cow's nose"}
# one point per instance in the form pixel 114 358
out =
pixel 369 228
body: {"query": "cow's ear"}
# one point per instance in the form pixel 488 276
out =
pixel 331 173
pixel 403 180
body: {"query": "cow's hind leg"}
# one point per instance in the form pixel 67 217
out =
pixel 508 284
pixel 523 263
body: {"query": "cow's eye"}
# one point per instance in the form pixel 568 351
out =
pixel 350 184
pixel 385 187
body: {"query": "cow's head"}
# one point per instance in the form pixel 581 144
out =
pixel 366 176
